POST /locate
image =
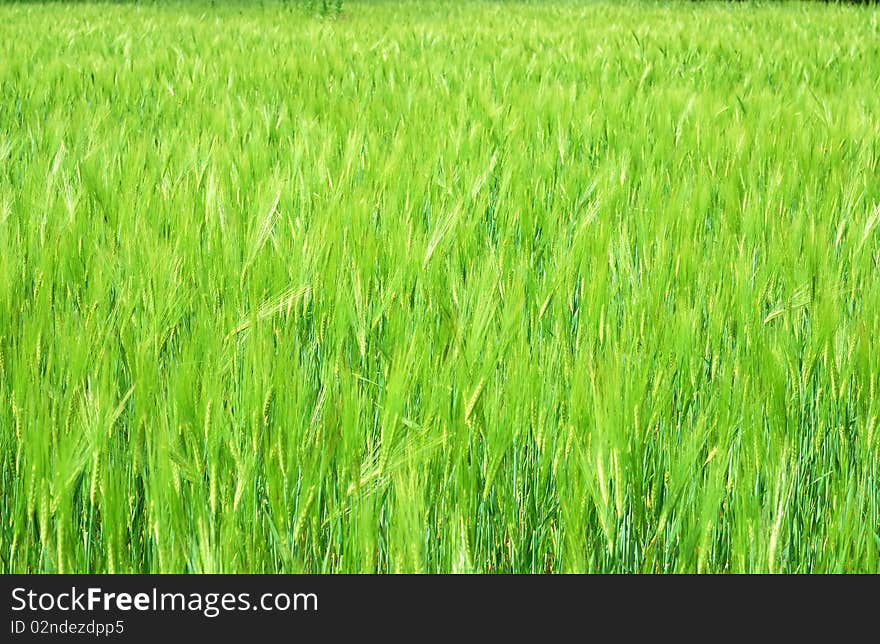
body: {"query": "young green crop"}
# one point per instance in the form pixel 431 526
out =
pixel 439 286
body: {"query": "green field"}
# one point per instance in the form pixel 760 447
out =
pixel 440 286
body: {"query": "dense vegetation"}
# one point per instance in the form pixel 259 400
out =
pixel 440 286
